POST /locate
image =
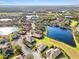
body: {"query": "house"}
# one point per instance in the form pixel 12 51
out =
pixel 35 17
pixel 29 37
pixel 15 36
pixel 52 53
pixel 28 17
pixel 68 16
pixel 39 26
pixel 67 23
pixel 28 40
pixel 38 34
pixel 41 47
pixel 7 50
pixel 4 39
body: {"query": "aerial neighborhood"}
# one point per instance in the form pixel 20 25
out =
pixel 39 34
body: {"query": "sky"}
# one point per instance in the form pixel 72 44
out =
pixel 39 2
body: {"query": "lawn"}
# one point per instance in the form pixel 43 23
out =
pixel 44 40
pixel 1 56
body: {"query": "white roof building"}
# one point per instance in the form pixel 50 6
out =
pixel 68 16
pixel 34 17
pixel 41 47
pixel 52 53
pixel 5 19
pixel 29 37
pixel 28 17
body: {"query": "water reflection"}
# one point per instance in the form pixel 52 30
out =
pixel 7 30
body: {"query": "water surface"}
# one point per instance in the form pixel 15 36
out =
pixel 7 30
pixel 63 35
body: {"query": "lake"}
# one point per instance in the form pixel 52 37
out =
pixel 7 30
pixel 63 35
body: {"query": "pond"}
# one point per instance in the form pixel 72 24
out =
pixel 63 35
pixel 7 30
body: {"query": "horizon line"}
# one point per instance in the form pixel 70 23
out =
pixel 37 5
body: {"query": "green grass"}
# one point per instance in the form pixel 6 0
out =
pixel 1 56
pixel 44 40
pixel 77 49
